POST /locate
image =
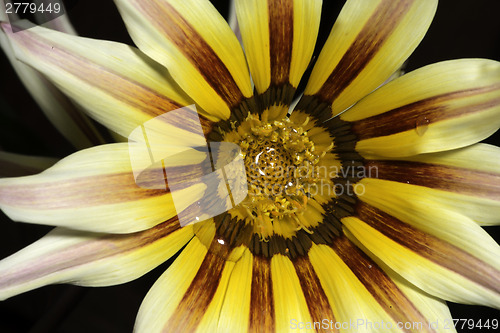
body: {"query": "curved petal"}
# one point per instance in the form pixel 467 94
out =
pixel 117 84
pixel 90 259
pixel 369 41
pixel 68 120
pixel 279 39
pixel 439 107
pixel 432 263
pixel 93 190
pixel 364 295
pixel 197 46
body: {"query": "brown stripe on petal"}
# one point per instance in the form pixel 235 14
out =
pixel 280 39
pixel 124 89
pixel 201 291
pixel 262 316
pixel 380 285
pixel 104 189
pixel 79 192
pixel 201 55
pixel 370 39
pixel 424 113
pixel 430 247
pixel 100 248
pixel 316 299
pixel 442 177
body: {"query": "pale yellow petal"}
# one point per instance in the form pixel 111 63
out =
pixel 93 190
pixel 90 259
pixel 65 116
pixel 116 84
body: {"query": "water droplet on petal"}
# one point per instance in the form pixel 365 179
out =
pixel 422 124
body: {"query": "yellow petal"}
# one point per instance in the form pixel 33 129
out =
pixel 90 259
pixel 289 301
pixel 117 84
pixel 465 158
pixel 439 268
pixel 279 39
pixel 161 302
pixel 482 206
pixel 468 173
pixel 317 301
pixel 477 187
pixel 193 294
pixel 93 190
pixel 197 46
pixel 369 41
pixel 436 310
pixel 364 295
pixel 230 308
pixel 429 216
pixel 439 107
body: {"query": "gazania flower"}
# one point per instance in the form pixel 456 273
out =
pixel 380 197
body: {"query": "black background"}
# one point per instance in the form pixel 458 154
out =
pixel 461 29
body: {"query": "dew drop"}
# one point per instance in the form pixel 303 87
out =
pixel 421 126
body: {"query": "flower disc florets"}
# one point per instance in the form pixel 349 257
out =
pixel 281 161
